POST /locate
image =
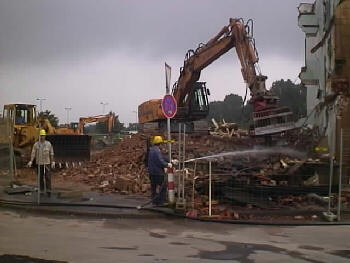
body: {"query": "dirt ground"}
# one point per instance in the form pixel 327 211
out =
pixel 29 176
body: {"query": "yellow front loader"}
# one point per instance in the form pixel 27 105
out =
pixel 25 122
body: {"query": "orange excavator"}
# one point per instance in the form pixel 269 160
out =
pixel 109 119
pixel 192 96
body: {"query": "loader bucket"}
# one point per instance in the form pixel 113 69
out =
pixel 70 147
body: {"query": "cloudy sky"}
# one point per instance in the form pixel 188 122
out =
pixel 79 53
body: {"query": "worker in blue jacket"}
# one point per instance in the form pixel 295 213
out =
pixel 156 164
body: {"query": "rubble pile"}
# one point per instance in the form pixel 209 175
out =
pixel 252 180
pixel 119 168
pixel 226 129
pixel 199 208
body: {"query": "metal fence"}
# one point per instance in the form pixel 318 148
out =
pixel 218 192
pixel 261 184
pixel 344 172
pixel 7 159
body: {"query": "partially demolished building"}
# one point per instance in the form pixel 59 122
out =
pixel 326 74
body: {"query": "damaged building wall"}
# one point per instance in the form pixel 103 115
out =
pixel 326 75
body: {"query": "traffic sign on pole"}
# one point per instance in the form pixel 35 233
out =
pixel 169 106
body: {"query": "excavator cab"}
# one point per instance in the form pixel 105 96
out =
pixel 199 105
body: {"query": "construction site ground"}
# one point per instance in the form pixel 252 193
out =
pixel 115 182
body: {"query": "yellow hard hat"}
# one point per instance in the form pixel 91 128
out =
pixel 157 140
pixel 42 133
pixel 321 149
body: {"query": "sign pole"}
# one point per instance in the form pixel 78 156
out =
pixel 171 190
pixel 169 138
pixel 167 79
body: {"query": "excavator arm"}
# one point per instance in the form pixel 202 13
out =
pixel 235 35
pixel 109 119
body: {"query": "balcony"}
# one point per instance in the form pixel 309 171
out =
pixel 307 20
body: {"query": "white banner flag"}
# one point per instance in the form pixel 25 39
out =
pixel 167 77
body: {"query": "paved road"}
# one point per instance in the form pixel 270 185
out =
pixel 72 239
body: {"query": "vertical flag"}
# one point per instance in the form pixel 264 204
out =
pixel 167 77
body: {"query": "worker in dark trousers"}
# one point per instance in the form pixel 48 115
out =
pixel 43 153
pixel 156 164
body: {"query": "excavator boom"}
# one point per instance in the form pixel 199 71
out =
pixel 109 119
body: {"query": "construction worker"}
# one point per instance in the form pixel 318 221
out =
pixel 43 153
pixel 19 118
pixel 156 164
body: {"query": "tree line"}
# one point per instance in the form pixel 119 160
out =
pixel 234 109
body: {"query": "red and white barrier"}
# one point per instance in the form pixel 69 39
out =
pixel 171 186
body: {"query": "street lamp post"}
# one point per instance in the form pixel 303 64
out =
pixel 68 109
pixel 41 103
pixel 103 106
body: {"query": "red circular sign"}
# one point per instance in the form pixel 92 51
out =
pixel 169 106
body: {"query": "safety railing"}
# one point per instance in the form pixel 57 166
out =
pixel 7 158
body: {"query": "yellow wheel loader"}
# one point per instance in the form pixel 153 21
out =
pixel 25 124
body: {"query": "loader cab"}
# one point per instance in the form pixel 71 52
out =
pixel 20 114
pixel 23 124
pixel 199 106
pixel 74 126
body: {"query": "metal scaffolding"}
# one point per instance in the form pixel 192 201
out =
pixel 344 165
pixel 7 157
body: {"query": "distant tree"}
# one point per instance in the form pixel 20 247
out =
pixel 118 126
pixel 101 127
pixel 230 109
pixel 291 95
pixel 90 129
pixel 50 116
pixel 132 126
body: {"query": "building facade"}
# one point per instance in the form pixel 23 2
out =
pixel 326 74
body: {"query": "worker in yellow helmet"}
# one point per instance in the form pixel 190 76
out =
pixel 44 157
pixel 156 164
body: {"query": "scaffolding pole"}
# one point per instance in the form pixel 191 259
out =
pixel 209 187
pixel 331 169
pixel 12 168
pixel 340 174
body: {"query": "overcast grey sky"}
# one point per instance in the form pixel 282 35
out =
pixel 78 53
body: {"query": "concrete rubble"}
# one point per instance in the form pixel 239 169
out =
pixel 117 169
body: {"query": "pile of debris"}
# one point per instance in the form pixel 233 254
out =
pixel 119 168
pixel 295 205
pixel 227 129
